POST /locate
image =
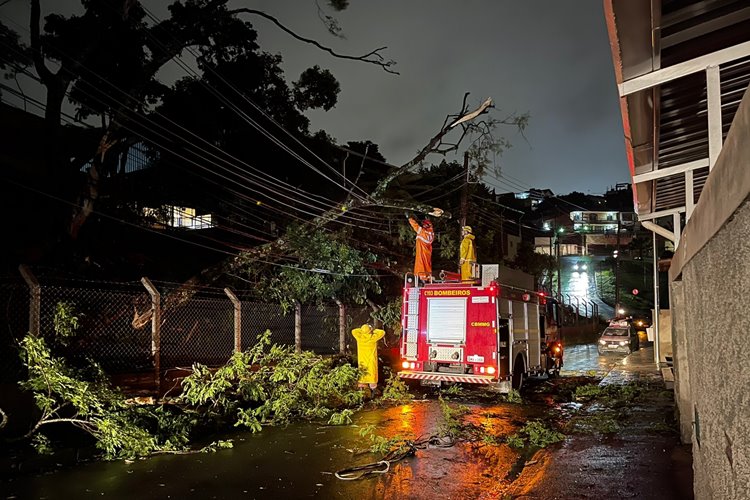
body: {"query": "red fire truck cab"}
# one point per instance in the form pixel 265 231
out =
pixel 493 333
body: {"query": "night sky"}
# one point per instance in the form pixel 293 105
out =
pixel 548 58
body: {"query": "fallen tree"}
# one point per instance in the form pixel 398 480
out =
pixel 265 385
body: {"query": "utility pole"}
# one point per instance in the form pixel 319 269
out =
pixel 502 236
pixel 617 268
pixel 557 251
pixel 465 191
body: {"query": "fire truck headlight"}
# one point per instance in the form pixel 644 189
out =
pixel 481 369
pixel 405 365
pixel 412 365
pixel 491 370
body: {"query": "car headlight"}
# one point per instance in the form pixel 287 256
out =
pixel 622 342
pixel 602 342
pixel 584 267
pixel 575 267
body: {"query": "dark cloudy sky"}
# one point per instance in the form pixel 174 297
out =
pixel 550 58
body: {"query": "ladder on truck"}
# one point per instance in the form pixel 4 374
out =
pixel 411 323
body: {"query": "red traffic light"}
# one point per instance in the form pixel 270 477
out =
pixel 635 291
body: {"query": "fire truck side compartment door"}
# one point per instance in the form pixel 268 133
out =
pixel 446 320
pixel 503 348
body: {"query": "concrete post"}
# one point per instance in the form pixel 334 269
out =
pixel 342 327
pixel 155 330
pixel 297 327
pixel 35 299
pixel 237 319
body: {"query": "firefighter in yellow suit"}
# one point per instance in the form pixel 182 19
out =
pixel 468 254
pixel 367 354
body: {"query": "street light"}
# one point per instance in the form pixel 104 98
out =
pixel 621 311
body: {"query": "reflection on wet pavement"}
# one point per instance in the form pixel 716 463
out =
pixel 585 359
pixel 299 461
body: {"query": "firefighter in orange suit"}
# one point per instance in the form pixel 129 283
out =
pixel 425 236
pixel 367 354
pixel 468 254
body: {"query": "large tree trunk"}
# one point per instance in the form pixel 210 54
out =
pixel 90 194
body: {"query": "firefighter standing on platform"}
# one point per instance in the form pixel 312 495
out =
pixel 367 354
pixel 425 236
pixel 468 254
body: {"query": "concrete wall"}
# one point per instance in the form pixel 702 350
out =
pixel 715 284
pixel 682 390
pixel 710 285
pixel 665 335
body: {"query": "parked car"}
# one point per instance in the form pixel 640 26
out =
pixel 618 337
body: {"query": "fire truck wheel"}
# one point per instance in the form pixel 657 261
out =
pixel 517 381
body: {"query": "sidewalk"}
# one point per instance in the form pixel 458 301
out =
pixel 643 459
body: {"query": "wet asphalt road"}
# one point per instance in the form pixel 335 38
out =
pixel 299 461
pixel 585 358
pixel 582 283
pixel 643 460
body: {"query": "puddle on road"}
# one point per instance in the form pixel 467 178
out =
pixel 299 461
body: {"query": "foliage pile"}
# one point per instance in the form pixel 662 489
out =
pixel 535 434
pixel 514 397
pixel 85 399
pixel 453 390
pixel 273 386
pixel 396 390
pixel 267 384
pixel 382 445
pixel 609 395
pixel 452 424
pixel 605 409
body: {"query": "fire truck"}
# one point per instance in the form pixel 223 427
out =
pixel 495 331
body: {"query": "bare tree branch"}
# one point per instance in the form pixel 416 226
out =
pixel 372 57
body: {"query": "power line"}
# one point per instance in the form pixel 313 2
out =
pixel 239 112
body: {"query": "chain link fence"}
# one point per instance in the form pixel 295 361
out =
pixel 196 327
pixel 108 331
pixel 117 329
